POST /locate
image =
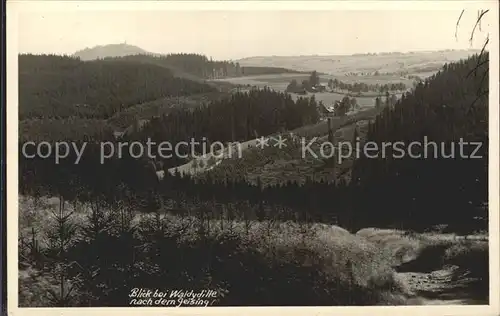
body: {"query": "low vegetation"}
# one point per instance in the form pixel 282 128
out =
pixel 255 263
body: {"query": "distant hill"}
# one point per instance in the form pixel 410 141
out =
pixel 111 50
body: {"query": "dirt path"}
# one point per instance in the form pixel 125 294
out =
pixel 443 287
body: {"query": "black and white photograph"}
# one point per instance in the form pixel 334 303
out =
pixel 244 154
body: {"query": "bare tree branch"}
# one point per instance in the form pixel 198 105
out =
pixel 478 15
pixel 479 62
pixel 458 23
pixel 478 21
pixel 481 83
pixel 484 45
pixel 479 96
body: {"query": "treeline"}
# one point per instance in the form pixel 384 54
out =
pixel 255 70
pixel 243 116
pixel 357 87
pixel 194 64
pixel 52 86
pixel 201 66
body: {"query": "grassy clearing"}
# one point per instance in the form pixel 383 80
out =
pixel 256 263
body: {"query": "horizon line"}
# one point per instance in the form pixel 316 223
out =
pixel 146 52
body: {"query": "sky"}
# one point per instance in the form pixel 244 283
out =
pixel 234 34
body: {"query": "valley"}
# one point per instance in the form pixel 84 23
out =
pixel 269 228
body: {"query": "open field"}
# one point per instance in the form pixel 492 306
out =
pixel 392 68
pixel 413 63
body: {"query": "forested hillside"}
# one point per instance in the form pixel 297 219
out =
pixel 62 97
pixel 187 65
pixel 62 87
pixel 241 117
pixel 450 106
pixel 201 66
